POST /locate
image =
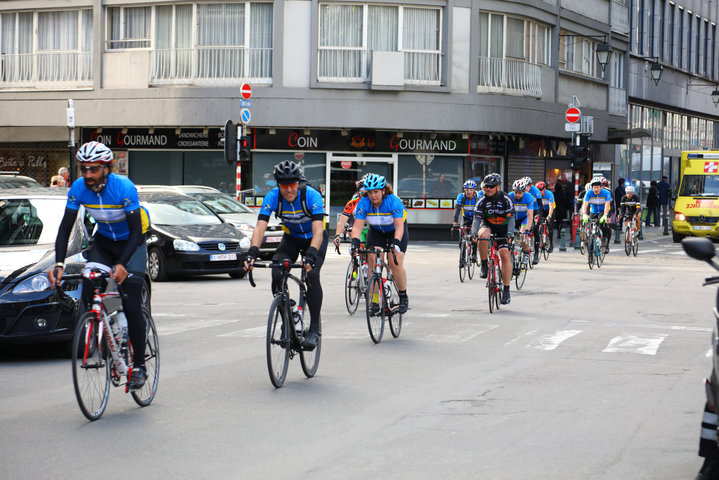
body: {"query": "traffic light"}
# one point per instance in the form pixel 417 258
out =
pixel 245 152
pixel 229 142
pixel 581 154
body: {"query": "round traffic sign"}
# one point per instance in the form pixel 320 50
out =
pixel 246 91
pixel 245 116
pixel 346 164
pixel 572 114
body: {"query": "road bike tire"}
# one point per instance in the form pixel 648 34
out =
pixel 375 322
pixel 352 290
pixel 531 252
pixel 635 243
pixel 395 318
pixel 628 242
pixel 521 276
pixel 590 252
pixel 468 261
pixel 491 285
pixel 90 367
pixel 462 265
pixel 498 286
pixel 545 244
pixel 582 241
pixel 310 359
pixel 144 396
pixel 600 250
pixel 278 341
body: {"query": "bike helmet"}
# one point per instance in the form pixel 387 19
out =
pixel 94 152
pixel 587 186
pixel 374 182
pixel 541 185
pixel 491 180
pixel 528 180
pixel 605 182
pixel 287 172
pixel 518 185
pixel 629 189
pixel 471 184
pixel 596 181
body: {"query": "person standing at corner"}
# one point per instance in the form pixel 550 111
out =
pixel 665 194
pixel 652 204
pixel 619 192
pixel 65 174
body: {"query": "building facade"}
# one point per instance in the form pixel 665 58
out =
pixel 428 93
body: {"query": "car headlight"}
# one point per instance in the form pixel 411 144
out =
pixel 245 243
pixel 36 283
pixel 245 228
pixel 185 246
pixel 679 216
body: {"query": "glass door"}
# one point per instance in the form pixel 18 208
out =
pixel 344 170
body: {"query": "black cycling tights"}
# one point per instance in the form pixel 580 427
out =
pixel 290 248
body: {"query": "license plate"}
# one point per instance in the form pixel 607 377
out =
pixel 277 239
pixel 223 256
pixel 701 227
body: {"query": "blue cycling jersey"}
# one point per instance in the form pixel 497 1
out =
pixel 597 201
pixel 547 199
pixel 467 204
pixel 381 218
pixel 521 206
pixel 294 220
pixel 109 206
pixel 536 194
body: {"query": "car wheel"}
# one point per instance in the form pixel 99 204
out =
pixel 156 265
pixel 676 237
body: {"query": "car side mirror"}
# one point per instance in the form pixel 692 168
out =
pixel 699 248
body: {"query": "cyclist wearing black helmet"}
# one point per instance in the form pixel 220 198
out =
pixel 493 214
pixel 302 213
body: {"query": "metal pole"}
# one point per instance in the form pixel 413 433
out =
pixel 239 164
pixel 71 132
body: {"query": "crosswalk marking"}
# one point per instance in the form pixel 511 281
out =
pixel 552 341
pixel 633 344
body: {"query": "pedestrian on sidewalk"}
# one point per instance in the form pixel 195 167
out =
pixel 665 195
pixel 652 204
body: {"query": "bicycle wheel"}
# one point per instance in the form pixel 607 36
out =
pixel 144 396
pixel 310 360
pixel 375 308
pixel 521 275
pixel 628 241
pixel 498 286
pixel 599 250
pixel 635 243
pixel 352 292
pixel 462 266
pixel 490 285
pixel 395 318
pixel 545 243
pixel 90 367
pixel 278 344
pixel 468 260
pixel 590 252
pixel 582 241
pixel 531 252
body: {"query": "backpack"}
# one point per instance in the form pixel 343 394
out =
pixel 304 183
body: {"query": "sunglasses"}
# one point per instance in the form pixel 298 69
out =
pixel 92 169
pixel 286 186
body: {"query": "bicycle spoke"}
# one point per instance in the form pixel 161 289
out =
pixel 90 369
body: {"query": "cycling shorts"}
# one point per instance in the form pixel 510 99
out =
pixel 375 238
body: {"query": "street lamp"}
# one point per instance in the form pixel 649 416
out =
pixel 656 72
pixel 715 95
pixel 604 53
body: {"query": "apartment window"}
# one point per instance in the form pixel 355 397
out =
pixel 348 34
pixel 671 35
pixel 129 27
pixel 616 70
pixel 578 54
pixel 713 52
pixel 681 37
pixel 691 53
pixel 502 36
pixel 662 23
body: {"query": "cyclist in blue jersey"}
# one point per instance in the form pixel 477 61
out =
pixel 301 210
pixel 465 204
pixel 386 216
pixel 534 191
pixel 118 246
pixel 546 210
pixel 597 204
pixel 524 204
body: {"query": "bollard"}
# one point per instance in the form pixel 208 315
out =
pixel 641 234
pixel 562 245
pixel 617 233
pixel 666 226
pixel 577 239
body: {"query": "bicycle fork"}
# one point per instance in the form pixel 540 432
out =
pixel 118 363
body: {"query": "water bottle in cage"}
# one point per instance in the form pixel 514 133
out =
pixel 122 324
pixel 296 316
pixel 387 290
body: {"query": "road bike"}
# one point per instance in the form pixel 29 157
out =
pixel 595 250
pixel 631 238
pixel 355 281
pixel 544 241
pixel 495 285
pixel 583 238
pixel 466 265
pixel 102 355
pixel 286 329
pixel 519 264
pixel 382 296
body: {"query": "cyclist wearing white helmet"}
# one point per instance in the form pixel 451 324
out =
pixel 598 203
pixel 536 194
pixel 118 246
pixel 630 206
pixel 465 203
pixel 523 212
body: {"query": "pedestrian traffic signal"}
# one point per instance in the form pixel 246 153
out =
pixel 580 154
pixel 245 152
pixel 230 142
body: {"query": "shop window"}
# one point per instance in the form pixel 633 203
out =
pixel 313 167
pixel 440 177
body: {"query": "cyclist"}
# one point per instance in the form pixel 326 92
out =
pixel 523 213
pixel 535 227
pixel 598 201
pixel 301 210
pixel 465 203
pixel 387 219
pixel 630 207
pixel 493 214
pixel 347 217
pixel 546 210
pixel 118 246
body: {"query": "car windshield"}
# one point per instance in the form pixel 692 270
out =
pixel 700 186
pixel 13 181
pixel 180 212
pixel 221 203
pixel 30 221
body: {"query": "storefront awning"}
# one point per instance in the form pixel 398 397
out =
pixel 620 135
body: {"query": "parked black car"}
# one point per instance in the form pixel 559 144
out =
pixel 187 238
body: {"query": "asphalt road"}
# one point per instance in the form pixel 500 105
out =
pixel 586 374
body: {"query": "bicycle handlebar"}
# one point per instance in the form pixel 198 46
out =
pixel 377 250
pixel 285 265
pixel 95 276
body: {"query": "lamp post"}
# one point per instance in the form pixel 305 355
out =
pixel 715 95
pixel 656 72
pixel 604 53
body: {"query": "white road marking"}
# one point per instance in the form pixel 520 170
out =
pixel 552 341
pixel 709 353
pixel 462 335
pixel 164 330
pixel 633 344
pixel 516 339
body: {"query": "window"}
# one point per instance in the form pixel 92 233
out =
pixel 616 70
pixel 129 27
pixel 348 34
pixel 578 54
pixel 502 36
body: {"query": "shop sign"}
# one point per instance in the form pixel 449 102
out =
pixel 154 139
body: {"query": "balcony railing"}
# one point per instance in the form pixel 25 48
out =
pixel 514 77
pixel 620 17
pixel 354 65
pixel 617 101
pixel 47 69
pixel 211 65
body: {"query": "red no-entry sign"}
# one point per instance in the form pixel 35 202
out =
pixel 246 91
pixel 572 115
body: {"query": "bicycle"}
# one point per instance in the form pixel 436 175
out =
pixel 495 285
pixel 466 265
pixel 382 297
pixel 631 238
pixel 519 267
pixel 583 238
pixel 284 339
pixel 355 281
pixel 101 354
pixel 544 237
pixel 595 252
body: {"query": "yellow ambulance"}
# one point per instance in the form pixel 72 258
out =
pixel 696 209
